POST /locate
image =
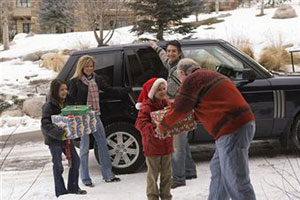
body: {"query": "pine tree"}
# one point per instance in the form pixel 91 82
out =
pixel 158 16
pixel 57 14
pixel 196 7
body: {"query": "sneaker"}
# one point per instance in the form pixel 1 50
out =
pixel 177 184
pixel 115 179
pixel 89 185
pixel 80 191
pixel 191 177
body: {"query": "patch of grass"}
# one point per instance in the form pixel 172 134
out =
pixel 17 101
pixel 244 45
pixel 209 21
pixel 3 105
pixel 274 57
pixel 247 49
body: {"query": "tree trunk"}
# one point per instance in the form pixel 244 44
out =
pixel 197 15
pixel 113 28
pixel 101 21
pixel 262 7
pixel 160 32
pixel 217 6
pixel 5 24
pixel 95 34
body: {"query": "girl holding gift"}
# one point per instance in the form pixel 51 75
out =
pixel 84 90
pixel 156 150
pixel 54 138
pixel 183 166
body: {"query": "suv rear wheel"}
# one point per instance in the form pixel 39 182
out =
pixel 124 146
pixel 295 135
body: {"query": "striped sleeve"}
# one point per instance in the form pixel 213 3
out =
pixel 163 57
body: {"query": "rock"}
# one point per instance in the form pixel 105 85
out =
pixel 31 76
pixel 224 15
pixel 12 113
pixel 13 122
pixel 53 61
pixel 33 106
pixel 285 12
pixel 31 57
pixel 39 81
pixel 3 59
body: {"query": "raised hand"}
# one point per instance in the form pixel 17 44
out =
pixel 153 44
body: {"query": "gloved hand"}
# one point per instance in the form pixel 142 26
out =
pixel 64 135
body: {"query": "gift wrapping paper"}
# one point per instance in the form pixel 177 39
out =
pixel 187 124
pixel 76 125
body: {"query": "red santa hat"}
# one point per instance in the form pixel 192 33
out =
pixel 148 91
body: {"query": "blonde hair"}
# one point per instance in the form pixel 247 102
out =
pixel 83 60
pixel 188 65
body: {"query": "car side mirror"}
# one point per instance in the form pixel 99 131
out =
pixel 249 75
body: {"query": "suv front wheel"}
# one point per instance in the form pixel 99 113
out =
pixel 124 146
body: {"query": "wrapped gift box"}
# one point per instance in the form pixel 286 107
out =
pixel 90 122
pixel 187 124
pixel 76 110
pixel 76 125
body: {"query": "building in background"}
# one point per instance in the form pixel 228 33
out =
pixel 25 17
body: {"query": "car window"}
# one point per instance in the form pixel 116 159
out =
pixel 143 65
pixel 105 66
pixel 215 58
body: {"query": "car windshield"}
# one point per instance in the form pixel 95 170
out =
pixel 252 60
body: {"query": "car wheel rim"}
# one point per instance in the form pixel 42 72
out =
pixel 123 149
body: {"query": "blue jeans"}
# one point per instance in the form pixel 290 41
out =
pixel 229 166
pixel 60 189
pixel 182 161
pixel 104 158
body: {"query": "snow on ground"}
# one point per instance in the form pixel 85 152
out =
pixel 27 161
pixel 242 24
pixel 16 76
pixel 260 31
pixel 75 40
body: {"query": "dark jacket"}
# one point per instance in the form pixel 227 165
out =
pixel 78 91
pixel 152 145
pixel 52 133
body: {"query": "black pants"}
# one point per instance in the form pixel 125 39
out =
pixel 60 189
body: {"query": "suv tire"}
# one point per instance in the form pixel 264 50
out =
pixel 125 148
pixel 295 134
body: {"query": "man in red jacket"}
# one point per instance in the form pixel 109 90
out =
pixel 225 114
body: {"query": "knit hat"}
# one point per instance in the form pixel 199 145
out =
pixel 148 91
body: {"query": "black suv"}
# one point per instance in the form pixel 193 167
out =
pixel 274 98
